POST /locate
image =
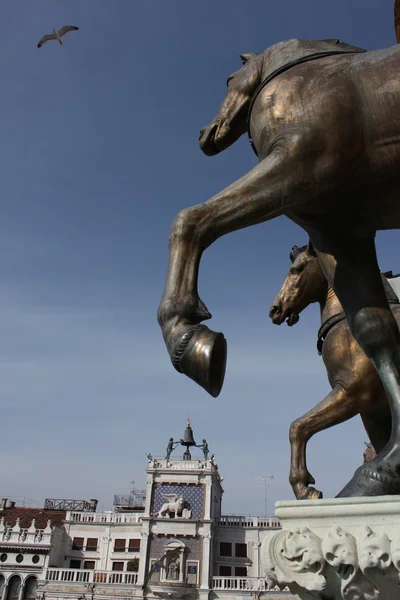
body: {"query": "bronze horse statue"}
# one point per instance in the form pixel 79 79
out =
pixel 356 387
pixel 324 121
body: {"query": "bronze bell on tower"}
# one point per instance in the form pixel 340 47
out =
pixel 188 441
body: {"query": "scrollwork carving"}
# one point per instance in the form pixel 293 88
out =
pixel 375 558
pixel 294 558
pixel 337 566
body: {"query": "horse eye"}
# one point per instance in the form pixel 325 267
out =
pixel 294 270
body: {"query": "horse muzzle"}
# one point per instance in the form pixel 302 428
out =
pixel 276 315
pixel 207 139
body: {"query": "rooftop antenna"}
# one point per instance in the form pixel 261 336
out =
pixel 264 479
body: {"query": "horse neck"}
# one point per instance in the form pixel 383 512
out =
pixel 329 303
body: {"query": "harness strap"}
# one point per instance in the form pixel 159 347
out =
pixel 284 68
pixel 326 327
pixel 331 322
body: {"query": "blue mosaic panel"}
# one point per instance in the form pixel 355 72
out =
pixel 192 494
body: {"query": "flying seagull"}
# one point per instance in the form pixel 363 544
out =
pixel 57 35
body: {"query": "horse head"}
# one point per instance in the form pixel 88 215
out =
pixel 302 286
pixel 231 120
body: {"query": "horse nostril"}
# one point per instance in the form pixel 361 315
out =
pixel 274 310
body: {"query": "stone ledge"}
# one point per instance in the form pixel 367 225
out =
pixel 336 548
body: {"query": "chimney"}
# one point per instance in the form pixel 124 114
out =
pixel 93 504
pixel 3 503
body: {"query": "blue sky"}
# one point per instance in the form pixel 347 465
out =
pixel 99 152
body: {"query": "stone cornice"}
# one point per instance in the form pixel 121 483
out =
pixel 345 548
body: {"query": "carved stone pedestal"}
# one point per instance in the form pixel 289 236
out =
pixel 343 548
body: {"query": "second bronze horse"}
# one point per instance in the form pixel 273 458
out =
pixel 356 387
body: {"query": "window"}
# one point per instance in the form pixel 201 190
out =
pixel 241 550
pixel 89 564
pixel 91 544
pixel 240 571
pixel 74 564
pixel 118 566
pixel 19 558
pixel 77 544
pixel 133 565
pixel 3 557
pixel 134 545
pixel 225 571
pixel 119 545
pixel 35 559
pixel 225 549
pixel 154 571
pixel 14 587
pixel 30 588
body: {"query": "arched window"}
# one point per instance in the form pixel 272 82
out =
pixel 30 588
pixel 14 586
pixel 2 583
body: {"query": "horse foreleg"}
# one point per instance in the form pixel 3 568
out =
pixel 335 408
pixel 254 198
pixel 280 181
pixel 350 265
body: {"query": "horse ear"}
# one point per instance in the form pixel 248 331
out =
pixel 247 56
pixel 294 253
pixel 310 249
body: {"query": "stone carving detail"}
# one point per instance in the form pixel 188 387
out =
pixel 176 505
pixel 173 570
pixel 336 566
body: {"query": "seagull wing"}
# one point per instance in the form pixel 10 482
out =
pixel 46 38
pixel 67 28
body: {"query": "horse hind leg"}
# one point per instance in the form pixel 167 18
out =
pixel 338 406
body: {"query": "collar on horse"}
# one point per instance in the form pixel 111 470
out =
pixel 334 319
pixel 284 68
pixel 326 327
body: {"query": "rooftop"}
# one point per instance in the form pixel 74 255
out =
pixel 26 515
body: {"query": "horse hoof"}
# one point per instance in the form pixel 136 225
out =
pixel 369 482
pixel 200 354
pixel 314 494
pixel 308 493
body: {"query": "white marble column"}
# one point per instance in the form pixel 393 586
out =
pixel 149 494
pixel 21 591
pixel 143 566
pixel 207 501
pixel 105 552
pixel 205 569
pixel 256 559
pixel 5 590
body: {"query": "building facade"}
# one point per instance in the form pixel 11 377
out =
pixel 174 544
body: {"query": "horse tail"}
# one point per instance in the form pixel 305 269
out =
pixel 397 19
